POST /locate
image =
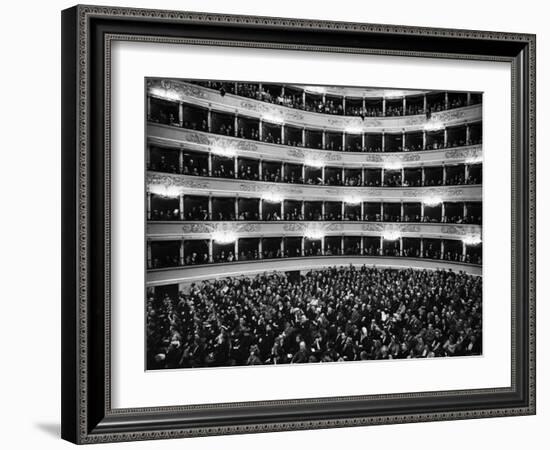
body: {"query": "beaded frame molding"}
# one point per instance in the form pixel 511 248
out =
pixel 87 35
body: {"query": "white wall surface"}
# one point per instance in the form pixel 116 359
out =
pixel 30 186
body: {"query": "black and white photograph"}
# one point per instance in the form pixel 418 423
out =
pixel 291 223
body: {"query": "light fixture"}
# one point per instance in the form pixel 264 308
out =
pixel 393 94
pixel 273 118
pixel 316 89
pixel 167 93
pixel 353 129
pixel 312 162
pixel 393 165
pixel 352 200
pixel 472 239
pixel 474 160
pixel 432 201
pixel 272 197
pixel 227 152
pixel 433 125
pixel 170 191
pixel 314 233
pixel 391 235
pixel 224 237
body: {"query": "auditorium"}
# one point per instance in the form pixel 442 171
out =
pixel 290 223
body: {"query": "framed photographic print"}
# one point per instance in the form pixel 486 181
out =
pixel 281 224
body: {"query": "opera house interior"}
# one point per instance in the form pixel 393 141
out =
pixel 292 223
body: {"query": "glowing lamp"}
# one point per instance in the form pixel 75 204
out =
pixel 316 89
pixel 391 235
pixel 393 165
pixel 165 191
pixel 272 197
pixel 311 162
pixel 432 201
pixel 314 233
pixel 395 94
pixel 353 130
pixel 223 151
pixel 166 93
pixel 352 200
pixel 472 240
pixel 434 125
pixel 474 160
pixel 224 237
pixel 273 118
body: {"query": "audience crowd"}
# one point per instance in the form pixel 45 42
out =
pixel 200 213
pixel 332 314
pixel 314 102
pixel 334 142
pixel 249 170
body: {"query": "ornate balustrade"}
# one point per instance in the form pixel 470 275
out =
pixel 174 185
pixel 192 274
pixel 180 91
pixel 204 230
pixel 168 136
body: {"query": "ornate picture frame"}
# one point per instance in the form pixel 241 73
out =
pixel 87 35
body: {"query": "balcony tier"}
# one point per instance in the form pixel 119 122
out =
pixel 180 91
pixel 174 137
pixel 174 185
pixel 204 230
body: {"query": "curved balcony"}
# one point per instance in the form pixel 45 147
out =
pixel 174 185
pixel 346 100
pixel 204 230
pixel 189 275
pixel 172 137
pixel 179 244
pixel 269 208
pixel 181 91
